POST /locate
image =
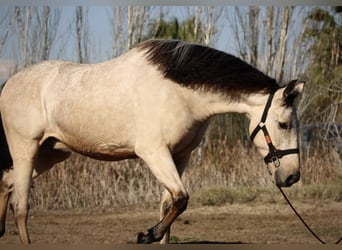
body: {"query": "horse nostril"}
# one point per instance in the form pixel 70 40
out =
pixel 292 179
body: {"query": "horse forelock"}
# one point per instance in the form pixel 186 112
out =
pixel 200 67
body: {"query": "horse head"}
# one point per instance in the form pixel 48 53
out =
pixel 274 130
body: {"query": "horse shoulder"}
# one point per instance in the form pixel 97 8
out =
pixel 171 117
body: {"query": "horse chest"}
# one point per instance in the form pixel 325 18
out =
pixel 189 139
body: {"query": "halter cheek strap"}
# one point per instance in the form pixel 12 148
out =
pixel 274 154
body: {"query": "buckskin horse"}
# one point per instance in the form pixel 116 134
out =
pixel 153 102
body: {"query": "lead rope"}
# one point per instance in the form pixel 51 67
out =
pixel 273 157
pixel 302 220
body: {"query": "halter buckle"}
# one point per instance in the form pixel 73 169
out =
pixel 273 157
pixel 275 161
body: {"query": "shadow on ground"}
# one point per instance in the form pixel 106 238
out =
pixel 211 242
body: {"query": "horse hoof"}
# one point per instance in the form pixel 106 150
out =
pixel 141 238
pixel 135 239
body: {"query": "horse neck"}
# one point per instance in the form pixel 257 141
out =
pixel 250 105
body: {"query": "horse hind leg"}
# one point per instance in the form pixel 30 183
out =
pixel 50 153
pixel 24 154
pixel 3 212
pixel 4 197
pixel 162 166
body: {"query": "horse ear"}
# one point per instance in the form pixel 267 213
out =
pixel 292 90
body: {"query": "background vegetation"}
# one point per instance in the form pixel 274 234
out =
pixel 285 42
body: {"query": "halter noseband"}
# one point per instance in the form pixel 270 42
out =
pixel 274 154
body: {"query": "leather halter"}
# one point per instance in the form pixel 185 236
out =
pixel 274 154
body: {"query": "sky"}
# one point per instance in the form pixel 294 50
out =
pixel 100 33
pixel 101 30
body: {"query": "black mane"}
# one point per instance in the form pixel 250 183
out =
pixel 200 67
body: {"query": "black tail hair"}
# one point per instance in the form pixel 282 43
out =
pixel 6 161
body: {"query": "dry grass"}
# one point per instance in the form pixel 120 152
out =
pixel 216 174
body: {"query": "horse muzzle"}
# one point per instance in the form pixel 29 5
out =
pixel 288 181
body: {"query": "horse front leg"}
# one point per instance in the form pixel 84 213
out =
pixel 166 201
pixel 164 169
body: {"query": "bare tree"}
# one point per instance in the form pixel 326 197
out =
pixel 211 16
pixel 82 29
pixel 45 45
pixel 35 28
pixel 6 22
pixel 44 31
pixel 253 21
pixel 238 25
pixel 261 36
pixel 205 22
pixel 269 37
pixel 116 19
pixel 138 17
pixel 282 42
pixel 197 22
pixel 23 20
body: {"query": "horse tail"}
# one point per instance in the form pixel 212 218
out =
pixel 6 161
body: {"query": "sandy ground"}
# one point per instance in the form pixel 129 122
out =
pixel 237 223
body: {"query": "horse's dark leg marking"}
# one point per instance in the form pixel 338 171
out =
pixel 165 208
pixel 157 232
pixel 166 203
pixel 158 157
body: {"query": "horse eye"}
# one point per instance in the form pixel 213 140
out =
pixel 284 125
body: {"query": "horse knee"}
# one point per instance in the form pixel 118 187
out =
pixel 180 202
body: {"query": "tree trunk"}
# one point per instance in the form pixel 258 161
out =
pixel 254 34
pixel 282 42
pixel 270 32
pixel 118 36
pixel 137 17
pixel 45 42
pixel 23 27
pixel 79 24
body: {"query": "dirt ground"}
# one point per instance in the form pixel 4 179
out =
pixel 237 223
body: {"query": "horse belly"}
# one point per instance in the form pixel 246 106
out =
pixel 102 139
pixel 99 126
pixel 104 152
